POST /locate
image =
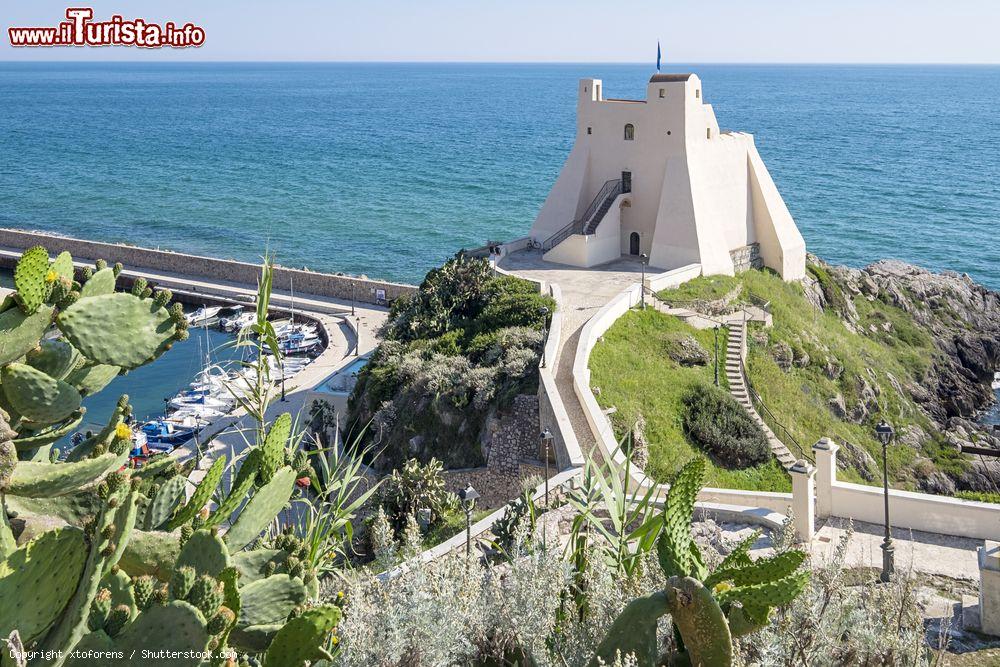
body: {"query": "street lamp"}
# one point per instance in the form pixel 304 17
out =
pixel 884 433
pixel 643 258
pixel 544 312
pixel 716 355
pixel 468 496
pixel 546 444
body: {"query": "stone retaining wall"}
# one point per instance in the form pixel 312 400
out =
pixel 514 440
pixel 746 257
pixel 224 270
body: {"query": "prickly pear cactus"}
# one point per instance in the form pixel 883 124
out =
pixel 261 509
pixel 707 610
pixel 201 495
pixel 167 498
pixel 37 397
pixel 273 449
pixel 301 640
pixel 32 279
pixel 30 569
pixel 143 328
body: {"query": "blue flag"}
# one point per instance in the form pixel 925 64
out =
pixel 657 55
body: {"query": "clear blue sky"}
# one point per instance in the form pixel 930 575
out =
pixel 842 31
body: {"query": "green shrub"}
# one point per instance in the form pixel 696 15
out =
pixel 717 424
pixel 415 487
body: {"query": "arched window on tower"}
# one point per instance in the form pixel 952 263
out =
pixel 629 132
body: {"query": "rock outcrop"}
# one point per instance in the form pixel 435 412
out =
pixel 962 319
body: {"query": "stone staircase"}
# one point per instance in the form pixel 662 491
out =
pixel 735 353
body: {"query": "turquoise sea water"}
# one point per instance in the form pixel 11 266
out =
pixel 388 169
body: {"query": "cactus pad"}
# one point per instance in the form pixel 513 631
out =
pixel 41 590
pixel 36 396
pixel 102 282
pixel 253 564
pixel 41 480
pixel 299 641
pixel 30 278
pixel 273 449
pixel 92 378
pixel 269 601
pixel 261 510
pixel 700 621
pixel 201 495
pixel 677 552
pixel 181 582
pixel 166 499
pixel 20 333
pixel 118 329
pixel 29 439
pixel 633 632
pixel 56 358
pixel 150 552
pixel 63 266
pixel 175 627
pixel 246 478
pixel 205 552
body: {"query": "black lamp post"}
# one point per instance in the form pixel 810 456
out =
pixel 281 367
pixel 546 444
pixel 884 433
pixel 544 312
pixel 468 497
pixel 354 287
pixel 643 258
pixel 716 355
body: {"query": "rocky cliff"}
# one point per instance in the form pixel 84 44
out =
pixel 962 319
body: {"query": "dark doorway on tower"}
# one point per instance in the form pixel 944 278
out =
pixel 633 243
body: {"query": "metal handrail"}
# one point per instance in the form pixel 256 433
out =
pixel 765 413
pixel 611 187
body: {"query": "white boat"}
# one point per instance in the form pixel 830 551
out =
pixel 201 398
pixel 238 322
pixel 996 380
pixel 299 344
pixel 203 314
pixel 285 329
pixel 202 415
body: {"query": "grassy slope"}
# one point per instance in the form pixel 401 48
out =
pixel 799 397
pixel 635 375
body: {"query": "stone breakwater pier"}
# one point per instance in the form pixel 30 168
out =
pixel 201 280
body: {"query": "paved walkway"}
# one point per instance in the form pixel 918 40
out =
pixel 926 553
pixel 584 292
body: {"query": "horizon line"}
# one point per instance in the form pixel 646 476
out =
pixel 499 62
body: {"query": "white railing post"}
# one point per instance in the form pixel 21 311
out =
pixel 989 588
pixel 803 505
pixel 825 453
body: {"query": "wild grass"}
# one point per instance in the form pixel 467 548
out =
pixel 800 397
pixel 888 351
pixel 635 375
pixel 702 288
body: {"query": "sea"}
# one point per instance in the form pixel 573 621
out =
pixel 387 170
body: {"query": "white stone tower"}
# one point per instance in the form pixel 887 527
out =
pixel 656 176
